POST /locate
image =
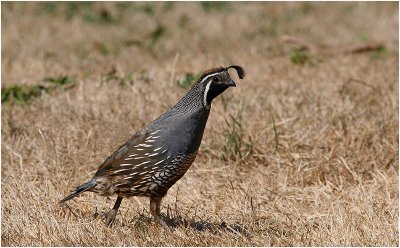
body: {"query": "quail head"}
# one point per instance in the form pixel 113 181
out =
pixel 153 159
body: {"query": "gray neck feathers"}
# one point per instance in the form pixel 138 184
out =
pixel 191 102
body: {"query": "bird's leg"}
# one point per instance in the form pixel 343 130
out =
pixel 155 204
pixel 113 212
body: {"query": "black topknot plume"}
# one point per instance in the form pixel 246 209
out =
pixel 239 70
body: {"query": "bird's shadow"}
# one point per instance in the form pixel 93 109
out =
pixel 203 225
pixel 177 221
pixel 142 220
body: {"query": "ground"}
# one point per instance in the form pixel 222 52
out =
pixel 303 152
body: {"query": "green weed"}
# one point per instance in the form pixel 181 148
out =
pixel 363 37
pixel 307 7
pixel 140 7
pixel 126 80
pixel 102 48
pixel 84 10
pixel 148 9
pixel 123 5
pixel 65 9
pixel 156 35
pixel 188 80
pixel 22 94
pixel 183 21
pixel 237 146
pixel 380 52
pixel 61 80
pixel 215 6
pixel 76 8
pixel 299 56
pixel 168 6
pixel 133 43
pixel 49 7
pixel 102 16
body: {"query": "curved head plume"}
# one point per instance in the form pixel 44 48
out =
pixel 239 70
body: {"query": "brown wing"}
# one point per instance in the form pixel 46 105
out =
pixel 142 152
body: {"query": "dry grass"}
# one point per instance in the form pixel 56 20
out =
pixel 317 161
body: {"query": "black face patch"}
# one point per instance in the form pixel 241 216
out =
pixel 216 81
pixel 214 90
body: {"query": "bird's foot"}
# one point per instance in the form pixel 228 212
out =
pixel 111 217
pixel 159 220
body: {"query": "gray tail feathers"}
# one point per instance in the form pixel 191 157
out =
pixel 80 189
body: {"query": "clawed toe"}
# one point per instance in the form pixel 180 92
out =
pixel 111 217
pixel 162 223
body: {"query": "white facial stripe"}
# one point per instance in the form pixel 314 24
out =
pixel 207 88
pixel 205 95
pixel 205 78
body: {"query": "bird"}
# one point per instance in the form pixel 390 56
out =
pixel 157 156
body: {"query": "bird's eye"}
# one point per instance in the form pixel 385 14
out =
pixel 215 79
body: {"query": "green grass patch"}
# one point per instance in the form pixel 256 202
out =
pixel 84 10
pixel 215 6
pixel 49 7
pixel 183 21
pixel 188 80
pixel 133 42
pixel 147 8
pixel 61 80
pixel 157 34
pixel 21 94
pixel 102 48
pixel 102 16
pixel 126 80
pixel 299 56
pixel 380 52
pixel 122 80
pixel 237 145
pixel 363 37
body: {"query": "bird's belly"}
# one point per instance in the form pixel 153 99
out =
pixel 163 177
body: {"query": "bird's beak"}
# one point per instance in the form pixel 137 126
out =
pixel 231 83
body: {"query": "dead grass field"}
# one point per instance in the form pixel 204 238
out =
pixel 311 161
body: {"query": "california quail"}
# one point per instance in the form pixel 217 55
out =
pixel 152 160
